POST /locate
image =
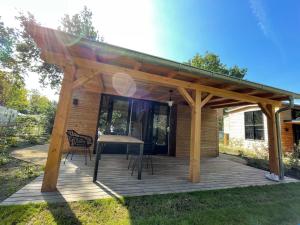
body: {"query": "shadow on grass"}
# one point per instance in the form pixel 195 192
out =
pixel 110 192
pixel 62 212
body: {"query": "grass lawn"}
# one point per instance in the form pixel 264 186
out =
pixel 274 205
pixel 14 174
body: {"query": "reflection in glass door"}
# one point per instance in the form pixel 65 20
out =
pixel 146 120
pixel 160 128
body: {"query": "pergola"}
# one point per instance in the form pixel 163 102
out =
pixel 103 68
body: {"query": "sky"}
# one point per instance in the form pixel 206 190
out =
pixel 260 35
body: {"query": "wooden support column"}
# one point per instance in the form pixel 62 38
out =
pixel 195 144
pixel 273 144
pixel 58 133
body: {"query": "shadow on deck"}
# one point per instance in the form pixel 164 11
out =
pixel 114 180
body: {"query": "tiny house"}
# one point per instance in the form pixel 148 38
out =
pixel 247 126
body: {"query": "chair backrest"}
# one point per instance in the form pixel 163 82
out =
pixel 75 139
pixel 70 135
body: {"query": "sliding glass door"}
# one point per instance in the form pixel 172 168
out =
pixel 146 120
pixel 160 127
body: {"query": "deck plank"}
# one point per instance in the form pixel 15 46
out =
pixel 170 176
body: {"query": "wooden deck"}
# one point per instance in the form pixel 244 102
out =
pixel 114 180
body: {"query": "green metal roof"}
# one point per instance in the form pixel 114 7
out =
pixel 147 58
pixel 154 60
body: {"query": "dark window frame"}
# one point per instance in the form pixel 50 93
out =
pixel 254 125
pixel 295 114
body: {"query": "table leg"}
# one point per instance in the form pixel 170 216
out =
pixel 127 151
pixel 100 150
pixel 98 156
pixel 140 161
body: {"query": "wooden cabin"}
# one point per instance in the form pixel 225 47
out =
pixel 111 89
pixel 246 126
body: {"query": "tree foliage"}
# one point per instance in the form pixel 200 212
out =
pixel 80 24
pixel 7 42
pixel 38 104
pixel 28 54
pixel 211 62
pixel 12 92
pixel 20 55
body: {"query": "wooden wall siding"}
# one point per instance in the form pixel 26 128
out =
pixel 234 125
pixel 83 117
pixel 287 134
pixel 209 132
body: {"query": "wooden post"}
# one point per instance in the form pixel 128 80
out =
pixel 226 139
pixel 58 133
pixel 273 144
pixel 195 139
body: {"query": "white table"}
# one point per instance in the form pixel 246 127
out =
pixel 117 139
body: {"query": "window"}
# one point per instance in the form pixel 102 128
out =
pixel 295 114
pixel 254 125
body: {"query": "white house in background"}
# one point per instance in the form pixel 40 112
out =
pixel 247 126
pixel 7 116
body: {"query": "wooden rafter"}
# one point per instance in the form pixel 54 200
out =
pixel 83 80
pixel 245 90
pixel 231 105
pixel 206 100
pixel 161 80
pixel 186 96
pixel 172 74
pixel 153 87
pixel 221 102
pixel 137 66
pixel 265 110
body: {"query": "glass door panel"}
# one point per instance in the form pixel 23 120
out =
pixel 119 117
pixel 160 128
pixel 142 119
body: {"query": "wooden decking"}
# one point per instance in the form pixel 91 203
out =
pixel 114 180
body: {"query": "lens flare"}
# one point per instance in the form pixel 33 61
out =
pixel 68 40
pixel 124 84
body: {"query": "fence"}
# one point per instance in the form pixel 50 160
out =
pixel 24 129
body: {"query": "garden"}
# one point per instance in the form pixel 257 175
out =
pixel 19 130
pixel 258 157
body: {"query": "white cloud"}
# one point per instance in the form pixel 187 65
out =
pixel 259 12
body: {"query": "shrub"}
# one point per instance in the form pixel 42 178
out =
pixel 294 157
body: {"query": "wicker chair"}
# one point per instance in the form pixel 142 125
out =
pixel 77 140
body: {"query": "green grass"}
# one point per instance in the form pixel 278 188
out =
pixel 274 205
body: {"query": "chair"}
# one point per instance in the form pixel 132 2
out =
pixel 147 155
pixel 77 140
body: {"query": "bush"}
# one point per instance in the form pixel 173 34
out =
pixel 294 158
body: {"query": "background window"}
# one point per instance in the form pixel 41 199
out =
pixel 254 125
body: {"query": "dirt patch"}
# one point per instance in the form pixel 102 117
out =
pixel 35 154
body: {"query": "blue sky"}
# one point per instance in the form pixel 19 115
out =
pixel 260 35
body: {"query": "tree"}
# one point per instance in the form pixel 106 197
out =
pixel 49 117
pixel 80 24
pixel 38 104
pixel 8 62
pixel 212 62
pixel 28 54
pixel 12 92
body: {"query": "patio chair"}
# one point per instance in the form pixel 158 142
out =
pixel 77 140
pixel 147 156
